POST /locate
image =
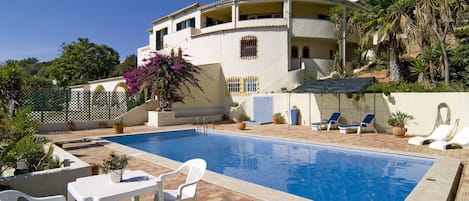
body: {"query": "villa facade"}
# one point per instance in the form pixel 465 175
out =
pixel 260 46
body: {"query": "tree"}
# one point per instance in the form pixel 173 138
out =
pixel 435 19
pixel 82 61
pixel 125 66
pixel 165 77
pixel 387 20
pixel 11 82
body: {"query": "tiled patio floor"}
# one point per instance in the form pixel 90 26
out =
pixel 93 153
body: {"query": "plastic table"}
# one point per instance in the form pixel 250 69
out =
pixel 100 187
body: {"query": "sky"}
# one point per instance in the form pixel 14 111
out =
pixel 38 28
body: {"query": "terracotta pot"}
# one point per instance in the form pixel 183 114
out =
pixel 398 131
pixel 242 125
pixel 276 120
pixel 119 129
pixel 94 169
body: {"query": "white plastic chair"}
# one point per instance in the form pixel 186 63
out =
pixel 461 139
pixel 13 195
pixel 187 191
pixel 440 133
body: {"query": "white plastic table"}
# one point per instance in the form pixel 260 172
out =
pixel 100 187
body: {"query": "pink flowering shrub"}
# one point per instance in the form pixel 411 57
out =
pixel 164 76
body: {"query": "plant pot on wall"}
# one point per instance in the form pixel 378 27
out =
pixel 277 118
pixel 118 129
pixel 241 125
pixel 398 131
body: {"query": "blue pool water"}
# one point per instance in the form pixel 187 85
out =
pixel 311 171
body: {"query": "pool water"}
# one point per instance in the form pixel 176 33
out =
pixel 311 171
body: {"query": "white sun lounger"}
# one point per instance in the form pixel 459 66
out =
pixel 440 133
pixel 461 139
pixel 16 195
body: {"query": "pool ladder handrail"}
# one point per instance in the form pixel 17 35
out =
pixel 204 125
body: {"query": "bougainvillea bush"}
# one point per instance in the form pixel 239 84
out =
pixel 165 77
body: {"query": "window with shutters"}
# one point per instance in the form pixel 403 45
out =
pixel 159 38
pixel 249 47
pixel 185 24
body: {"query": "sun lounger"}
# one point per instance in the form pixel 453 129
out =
pixel 333 120
pixel 18 195
pixel 460 139
pixel 440 133
pixel 358 126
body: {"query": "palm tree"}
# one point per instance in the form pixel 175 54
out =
pixel 434 20
pixel 387 20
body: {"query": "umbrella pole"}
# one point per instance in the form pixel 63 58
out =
pixel 309 105
pixel 288 111
pixel 320 116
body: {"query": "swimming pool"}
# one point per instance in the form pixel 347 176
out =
pixel 311 171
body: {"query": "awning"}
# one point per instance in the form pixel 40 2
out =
pixel 344 85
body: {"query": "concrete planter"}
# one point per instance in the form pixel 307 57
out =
pixel 50 182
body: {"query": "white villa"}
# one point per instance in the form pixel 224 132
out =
pixel 259 46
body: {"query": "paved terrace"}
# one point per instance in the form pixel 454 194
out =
pixel 93 153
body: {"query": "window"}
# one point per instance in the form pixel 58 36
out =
pixel 234 85
pixel 250 85
pixel 159 38
pixel 260 16
pixel 249 47
pixel 305 52
pixel 294 52
pixel 212 22
pixel 185 24
pixel 242 85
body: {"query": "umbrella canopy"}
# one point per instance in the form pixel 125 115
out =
pixel 345 85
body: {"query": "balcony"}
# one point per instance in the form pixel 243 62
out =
pixel 317 28
pixel 313 28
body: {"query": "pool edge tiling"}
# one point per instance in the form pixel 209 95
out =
pixel 439 183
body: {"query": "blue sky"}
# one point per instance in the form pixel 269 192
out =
pixel 35 28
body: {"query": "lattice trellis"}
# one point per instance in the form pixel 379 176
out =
pixel 59 106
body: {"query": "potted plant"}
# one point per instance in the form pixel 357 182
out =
pixel 119 126
pixel 114 164
pixel 241 123
pixel 398 120
pixel 277 118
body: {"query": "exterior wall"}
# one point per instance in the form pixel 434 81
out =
pixel 423 106
pixel 108 84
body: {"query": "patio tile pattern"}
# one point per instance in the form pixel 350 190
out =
pixel 93 153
